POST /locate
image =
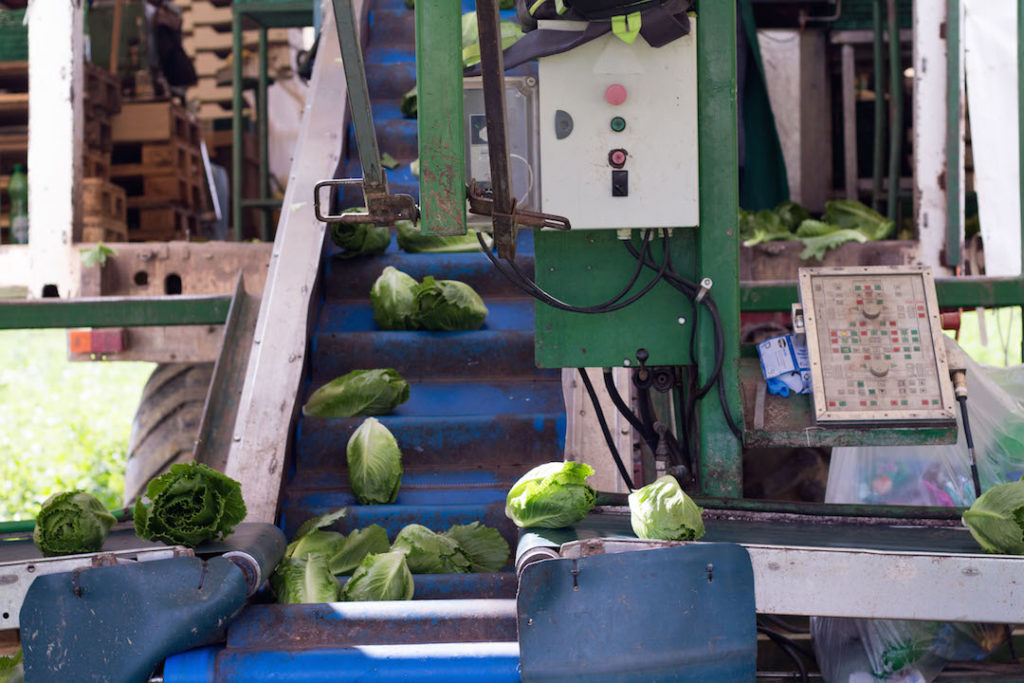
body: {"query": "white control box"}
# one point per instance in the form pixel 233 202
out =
pixel 618 132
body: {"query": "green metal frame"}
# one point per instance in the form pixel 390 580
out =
pixel 953 256
pixel 264 15
pixel 114 312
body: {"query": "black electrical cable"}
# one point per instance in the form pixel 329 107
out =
pixel 789 647
pixel 604 429
pixel 962 400
pixel 620 405
pixel 516 276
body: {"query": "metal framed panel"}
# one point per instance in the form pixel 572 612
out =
pixel 876 352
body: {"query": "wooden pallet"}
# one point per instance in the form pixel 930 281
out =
pixel 102 90
pixel 157 189
pixel 104 230
pixel 154 122
pixel 205 13
pixel 102 199
pixel 95 164
pixel 156 157
pixel 161 222
pixel 210 39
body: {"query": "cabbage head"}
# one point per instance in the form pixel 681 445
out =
pixel 486 549
pixel 448 306
pixel 305 579
pixel 374 464
pixel 392 299
pixel 72 522
pixel 429 553
pixel 380 577
pixel 412 240
pixel 360 392
pixel 663 511
pixel 189 504
pixel 363 239
pixel 996 520
pixel 371 540
pixel 310 538
pixel 551 495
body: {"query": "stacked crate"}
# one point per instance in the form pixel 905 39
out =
pixel 156 159
pixel 206 27
pixel 102 101
pixel 13 131
pixel 104 211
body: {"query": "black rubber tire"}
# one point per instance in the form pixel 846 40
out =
pixel 166 423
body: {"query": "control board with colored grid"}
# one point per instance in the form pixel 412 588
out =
pixel 875 344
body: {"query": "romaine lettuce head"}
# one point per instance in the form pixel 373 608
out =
pixel 996 520
pixel 791 214
pixel 374 463
pixel 663 511
pixel 190 503
pixel 412 240
pixel 304 579
pixel 380 577
pixel 72 522
pixel 448 306
pixel 360 392
pixel 430 553
pixel 850 214
pixel 815 247
pixel 309 538
pixel 486 549
pixel 360 240
pixel 371 540
pixel 551 495
pixel 392 300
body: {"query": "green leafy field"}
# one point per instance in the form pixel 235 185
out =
pixel 1001 345
pixel 62 425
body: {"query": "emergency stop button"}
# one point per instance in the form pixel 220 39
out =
pixel 615 94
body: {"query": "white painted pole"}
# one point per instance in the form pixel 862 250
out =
pixel 929 127
pixel 54 141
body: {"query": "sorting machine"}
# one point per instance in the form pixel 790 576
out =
pixel 607 173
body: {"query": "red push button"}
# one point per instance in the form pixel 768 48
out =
pixel 615 94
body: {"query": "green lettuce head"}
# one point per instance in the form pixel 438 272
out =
pixel 310 538
pixel 552 495
pixel 412 240
pixel 374 464
pixel 70 523
pixel 448 306
pixel 663 511
pixel 392 300
pixel 360 392
pixel 189 504
pixel 996 520
pixel 430 553
pixel 304 579
pixel 364 239
pixel 380 577
pixel 486 549
pixel 371 540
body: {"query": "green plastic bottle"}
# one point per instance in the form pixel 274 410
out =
pixel 17 189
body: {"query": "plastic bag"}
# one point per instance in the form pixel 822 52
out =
pixel 855 650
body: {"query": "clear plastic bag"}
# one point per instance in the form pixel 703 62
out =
pixel 855 650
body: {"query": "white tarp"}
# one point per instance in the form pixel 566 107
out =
pixel 990 35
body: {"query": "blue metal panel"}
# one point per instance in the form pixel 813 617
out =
pixel 444 662
pixel 357 316
pixel 673 614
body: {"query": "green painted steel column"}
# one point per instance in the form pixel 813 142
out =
pixel 441 143
pixel 895 110
pixel 878 63
pixel 264 132
pixel 236 125
pixel 953 109
pixel 721 469
pixel 1020 119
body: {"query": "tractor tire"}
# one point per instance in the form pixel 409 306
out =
pixel 166 423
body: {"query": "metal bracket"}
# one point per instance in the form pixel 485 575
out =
pixel 381 208
pixel 481 203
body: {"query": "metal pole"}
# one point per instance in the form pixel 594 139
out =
pixel 954 110
pixel 1020 139
pixel 878 61
pixel 358 96
pixel 264 132
pixel 236 124
pixel 721 467
pixel 895 110
pixel 849 122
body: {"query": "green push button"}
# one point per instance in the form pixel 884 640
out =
pixel 618 124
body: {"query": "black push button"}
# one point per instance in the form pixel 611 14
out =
pixel 620 183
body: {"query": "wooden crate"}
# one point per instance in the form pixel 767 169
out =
pixel 167 222
pixel 95 164
pixel 211 39
pixel 154 122
pixel 102 90
pixel 104 230
pixel 205 13
pixel 102 199
pixel 158 189
pixel 156 158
